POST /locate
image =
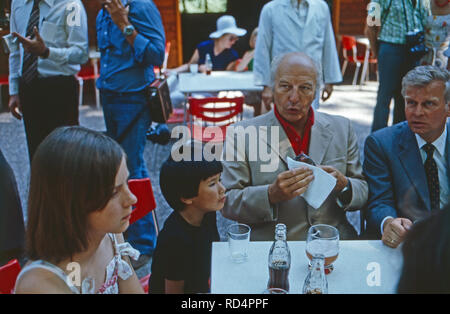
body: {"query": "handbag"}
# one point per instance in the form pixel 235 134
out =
pixel 158 98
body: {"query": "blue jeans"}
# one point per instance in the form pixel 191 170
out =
pixel 393 64
pixel 119 110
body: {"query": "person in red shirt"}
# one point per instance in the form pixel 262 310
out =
pixel 264 196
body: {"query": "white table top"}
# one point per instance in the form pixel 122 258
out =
pixel 357 269
pixel 216 82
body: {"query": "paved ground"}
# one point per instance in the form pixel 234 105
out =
pixel 346 100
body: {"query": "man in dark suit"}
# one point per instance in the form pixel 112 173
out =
pixel 407 165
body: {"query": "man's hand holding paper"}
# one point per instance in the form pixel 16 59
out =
pixel 290 184
pixel 342 180
pixel 325 180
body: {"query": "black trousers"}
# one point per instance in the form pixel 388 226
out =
pixel 47 103
pixel 12 231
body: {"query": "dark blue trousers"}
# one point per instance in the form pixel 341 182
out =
pixel 393 64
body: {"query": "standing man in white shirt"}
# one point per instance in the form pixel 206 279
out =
pixel 53 38
pixel 297 26
pixel 407 165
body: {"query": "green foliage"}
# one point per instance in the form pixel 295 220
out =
pixel 203 6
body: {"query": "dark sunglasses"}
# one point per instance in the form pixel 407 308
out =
pixel 305 158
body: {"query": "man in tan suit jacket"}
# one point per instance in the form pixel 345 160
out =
pixel 262 191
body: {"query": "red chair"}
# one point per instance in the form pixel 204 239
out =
pixel 223 110
pixel 144 282
pixel 89 72
pixel 351 54
pixel 142 189
pixel 8 276
pixel 3 81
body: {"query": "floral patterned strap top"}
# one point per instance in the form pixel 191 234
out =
pixel 117 268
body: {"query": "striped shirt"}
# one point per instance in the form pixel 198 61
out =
pixel 394 23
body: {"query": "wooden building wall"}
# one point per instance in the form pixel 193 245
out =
pixel 351 15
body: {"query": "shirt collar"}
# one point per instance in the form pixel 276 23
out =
pixel 293 3
pixel 285 123
pixel 49 2
pixel 439 143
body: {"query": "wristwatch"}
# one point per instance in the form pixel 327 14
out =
pixel 345 196
pixel 128 30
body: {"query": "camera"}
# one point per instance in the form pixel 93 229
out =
pixel 415 41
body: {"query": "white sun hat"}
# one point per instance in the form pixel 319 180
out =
pixel 226 24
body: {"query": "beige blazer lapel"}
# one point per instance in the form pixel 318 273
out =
pixel 321 138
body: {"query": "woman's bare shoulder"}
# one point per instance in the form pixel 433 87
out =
pixel 41 281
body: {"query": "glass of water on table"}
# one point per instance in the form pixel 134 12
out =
pixel 238 239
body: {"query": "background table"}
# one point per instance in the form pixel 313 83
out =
pixel 352 268
pixel 189 83
pixel 216 82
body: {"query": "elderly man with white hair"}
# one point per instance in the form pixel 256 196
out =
pixel 264 196
pixel 407 165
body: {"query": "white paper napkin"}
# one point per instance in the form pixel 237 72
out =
pixel 319 188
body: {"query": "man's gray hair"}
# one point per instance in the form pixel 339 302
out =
pixel 276 63
pixel 424 75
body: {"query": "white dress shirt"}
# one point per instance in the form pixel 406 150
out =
pixel 439 157
pixel 62 26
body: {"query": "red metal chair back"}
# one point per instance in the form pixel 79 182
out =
pixel 87 71
pixel 8 276
pixel 348 42
pixel 4 80
pixel 201 108
pixel 142 189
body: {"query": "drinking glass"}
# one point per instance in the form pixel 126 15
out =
pixel 323 239
pixel 275 291
pixel 238 239
pixel 193 67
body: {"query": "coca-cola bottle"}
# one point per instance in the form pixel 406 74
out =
pixel 316 280
pixel 279 260
pixel 208 64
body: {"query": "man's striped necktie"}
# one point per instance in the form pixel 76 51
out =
pixel 30 62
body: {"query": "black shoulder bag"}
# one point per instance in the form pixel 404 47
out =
pixel 158 102
pixel 415 39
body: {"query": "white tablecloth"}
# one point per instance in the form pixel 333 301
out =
pixel 216 82
pixel 361 267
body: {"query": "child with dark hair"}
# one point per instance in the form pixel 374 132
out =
pixel 182 259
